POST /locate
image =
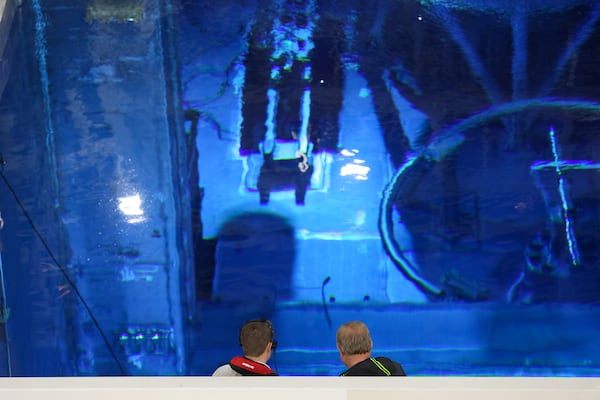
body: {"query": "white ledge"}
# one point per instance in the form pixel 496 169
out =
pixel 291 388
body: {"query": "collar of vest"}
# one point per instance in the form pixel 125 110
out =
pixel 246 366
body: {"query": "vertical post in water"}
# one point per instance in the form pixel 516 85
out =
pixel 4 310
pixel 41 53
pixel 569 232
pixel 519 66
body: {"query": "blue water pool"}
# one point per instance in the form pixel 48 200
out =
pixel 173 168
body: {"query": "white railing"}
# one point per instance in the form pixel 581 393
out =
pixel 292 388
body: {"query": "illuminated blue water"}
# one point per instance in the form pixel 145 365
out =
pixel 174 168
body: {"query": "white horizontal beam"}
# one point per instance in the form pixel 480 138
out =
pixel 292 388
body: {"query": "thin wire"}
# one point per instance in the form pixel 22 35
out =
pixel 324 302
pixel 63 271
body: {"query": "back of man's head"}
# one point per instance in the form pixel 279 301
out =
pixel 255 335
pixel 354 338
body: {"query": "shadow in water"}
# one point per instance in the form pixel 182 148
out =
pixel 254 261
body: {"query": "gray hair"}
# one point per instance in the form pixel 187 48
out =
pixel 354 338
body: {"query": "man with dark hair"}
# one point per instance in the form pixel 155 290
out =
pixel 354 343
pixel 257 341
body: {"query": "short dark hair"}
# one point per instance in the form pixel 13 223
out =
pixel 354 338
pixel 255 335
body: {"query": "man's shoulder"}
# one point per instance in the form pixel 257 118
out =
pixel 225 370
pixel 393 366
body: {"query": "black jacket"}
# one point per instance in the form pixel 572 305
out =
pixel 376 366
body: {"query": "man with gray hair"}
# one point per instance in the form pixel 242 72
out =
pixel 354 343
